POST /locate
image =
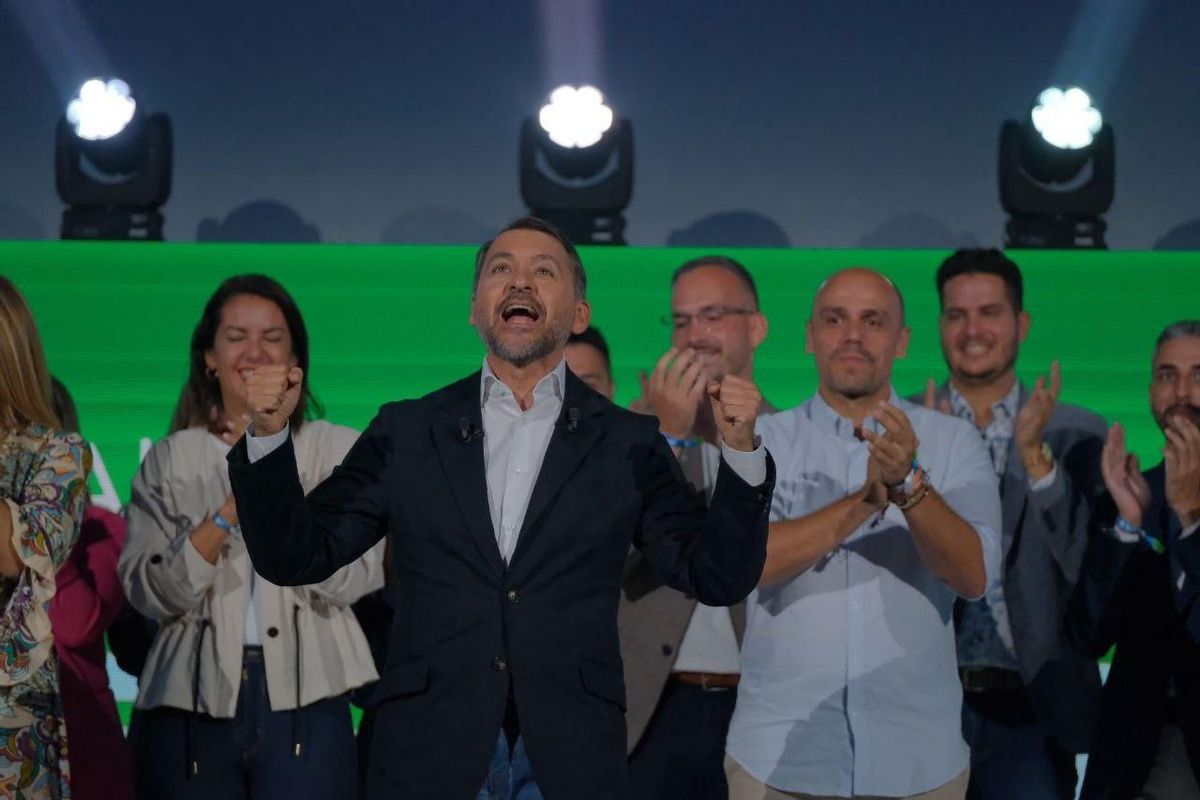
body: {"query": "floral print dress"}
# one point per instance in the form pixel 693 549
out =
pixel 43 486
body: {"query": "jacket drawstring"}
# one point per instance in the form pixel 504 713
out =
pixel 193 763
pixel 296 711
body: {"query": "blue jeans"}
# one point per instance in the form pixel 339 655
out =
pixel 510 776
pixel 249 757
pixel 1015 760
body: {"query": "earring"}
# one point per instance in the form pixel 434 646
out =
pixel 210 373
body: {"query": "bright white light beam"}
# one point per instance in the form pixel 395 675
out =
pixel 575 117
pixel 1066 119
pixel 102 109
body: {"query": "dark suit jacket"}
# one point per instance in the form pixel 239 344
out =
pixel 653 618
pixel 1042 545
pixel 468 628
pixel 1145 604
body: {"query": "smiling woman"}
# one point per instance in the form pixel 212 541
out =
pixel 210 683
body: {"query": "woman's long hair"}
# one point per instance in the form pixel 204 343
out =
pixel 200 402
pixel 24 378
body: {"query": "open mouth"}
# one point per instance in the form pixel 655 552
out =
pixel 520 313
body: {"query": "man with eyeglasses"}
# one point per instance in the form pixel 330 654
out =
pixel 681 657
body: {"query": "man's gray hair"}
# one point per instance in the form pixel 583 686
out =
pixel 1186 328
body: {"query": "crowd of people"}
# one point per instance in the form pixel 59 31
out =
pixel 533 592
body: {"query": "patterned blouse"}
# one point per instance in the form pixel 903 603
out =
pixel 43 483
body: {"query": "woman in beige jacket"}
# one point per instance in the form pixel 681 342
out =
pixel 244 692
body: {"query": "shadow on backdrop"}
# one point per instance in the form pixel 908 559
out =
pixel 433 225
pixel 258 221
pixel 912 229
pixel 1185 236
pixel 17 223
pixel 731 229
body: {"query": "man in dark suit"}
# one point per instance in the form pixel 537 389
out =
pixel 1029 697
pixel 1139 591
pixel 682 657
pixel 511 499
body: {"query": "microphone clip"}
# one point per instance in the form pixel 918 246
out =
pixel 467 432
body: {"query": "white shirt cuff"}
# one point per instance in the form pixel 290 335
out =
pixel 1189 530
pixel 262 446
pixel 750 467
pixel 1046 481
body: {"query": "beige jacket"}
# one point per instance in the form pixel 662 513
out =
pixel 183 480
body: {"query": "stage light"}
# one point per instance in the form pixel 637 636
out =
pixel 1066 119
pixel 576 165
pixel 102 109
pixel 575 117
pixel 1057 173
pixel 112 164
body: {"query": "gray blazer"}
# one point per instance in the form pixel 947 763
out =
pixel 652 619
pixel 1044 539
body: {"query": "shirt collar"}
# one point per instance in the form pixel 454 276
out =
pixel 550 386
pixel 829 420
pixel 1003 409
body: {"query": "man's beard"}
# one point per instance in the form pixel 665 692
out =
pixel 1186 410
pixel 524 354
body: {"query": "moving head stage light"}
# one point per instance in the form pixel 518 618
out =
pixel 576 166
pixel 1057 173
pixel 112 165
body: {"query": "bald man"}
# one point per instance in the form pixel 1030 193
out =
pixel 849 681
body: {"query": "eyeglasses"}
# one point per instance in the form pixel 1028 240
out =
pixel 707 316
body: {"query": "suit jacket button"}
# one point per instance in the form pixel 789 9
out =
pixel 272 631
pixel 514 596
pixel 499 663
pixel 667 649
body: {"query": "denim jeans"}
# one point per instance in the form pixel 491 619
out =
pixel 509 776
pixel 249 757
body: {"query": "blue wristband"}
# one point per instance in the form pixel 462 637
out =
pixel 680 443
pixel 222 523
pixel 1125 526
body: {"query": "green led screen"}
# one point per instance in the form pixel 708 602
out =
pixel 391 322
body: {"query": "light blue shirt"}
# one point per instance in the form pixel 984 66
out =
pixel 849 675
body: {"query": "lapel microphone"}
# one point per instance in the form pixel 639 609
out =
pixel 572 419
pixel 467 432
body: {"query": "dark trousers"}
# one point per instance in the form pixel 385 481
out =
pixel 682 752
pixel 1012 753
pixel 249 757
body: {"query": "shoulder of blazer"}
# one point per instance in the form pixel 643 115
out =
pixel 1077 418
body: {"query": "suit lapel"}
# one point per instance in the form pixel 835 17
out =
pixel 464 466
pixel 1014 486
pixel 569 444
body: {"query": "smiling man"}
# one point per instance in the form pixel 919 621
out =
pixel 511 499
pixel 1029 697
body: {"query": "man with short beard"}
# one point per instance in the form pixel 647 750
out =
pixel 849 682
pixel 1029 697
pixel 510 499
pixel 1139 591
pixel 681 656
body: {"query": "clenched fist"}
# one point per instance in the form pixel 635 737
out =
pixel 735 403
pixel 272 393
